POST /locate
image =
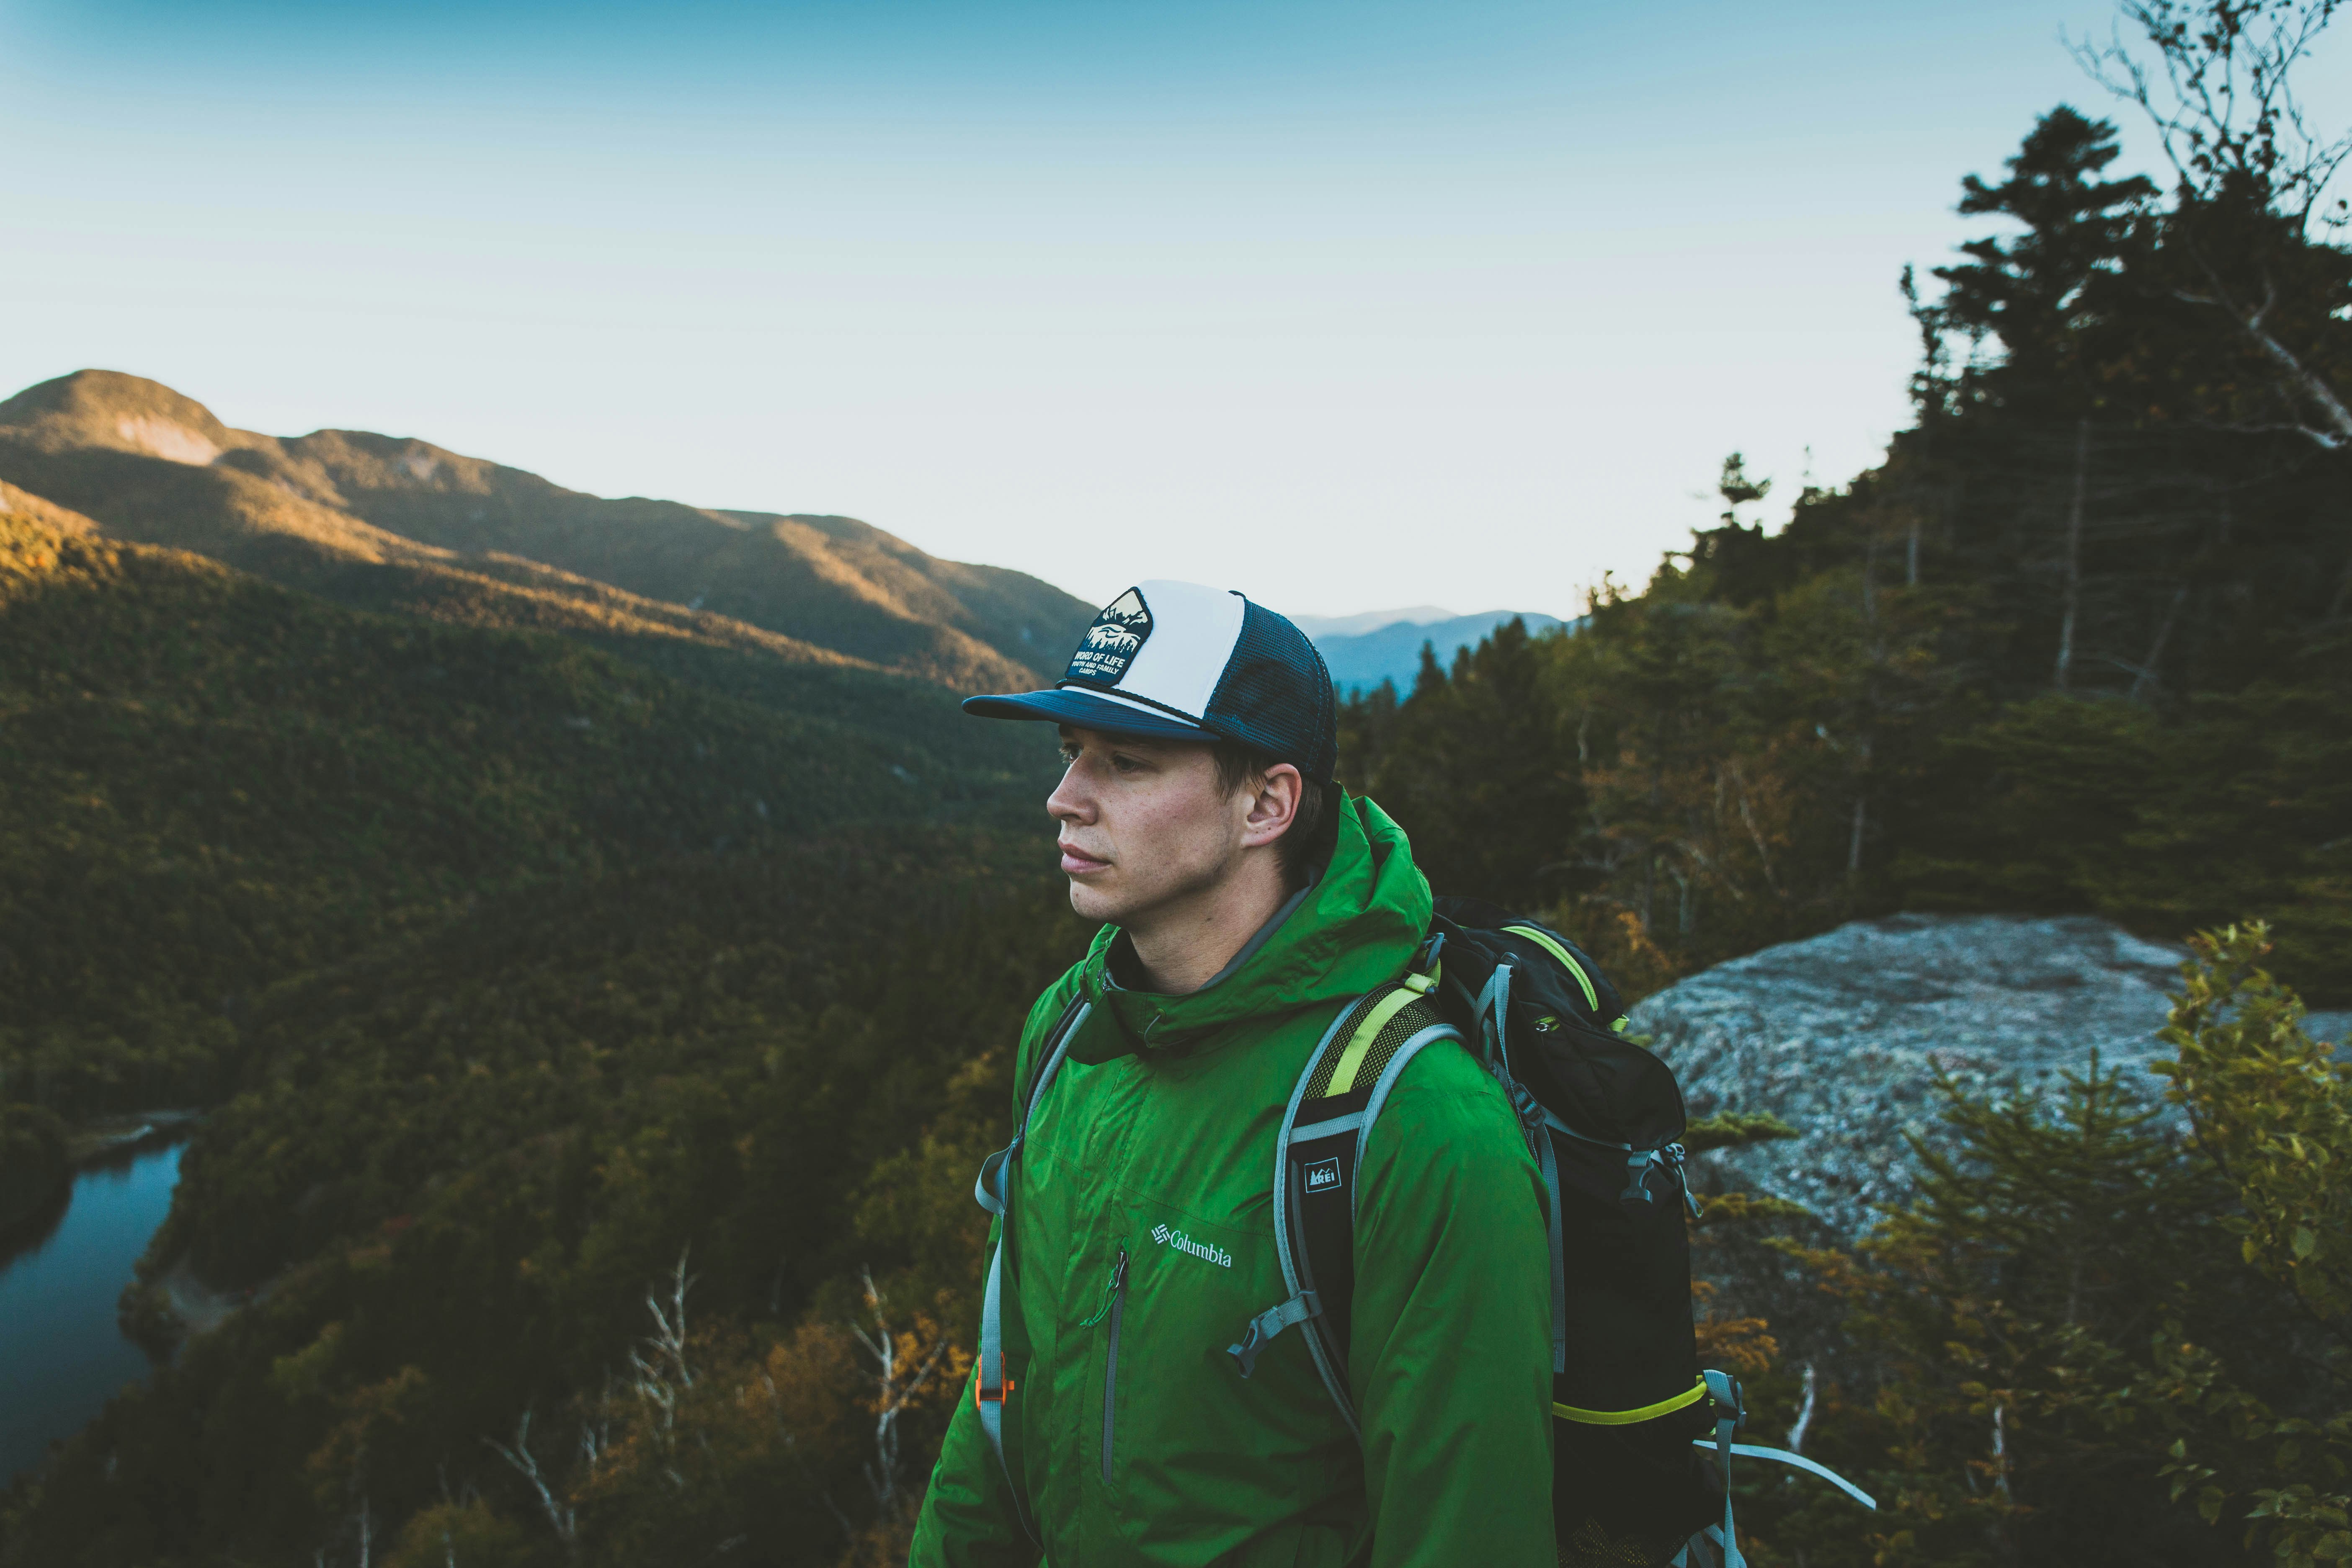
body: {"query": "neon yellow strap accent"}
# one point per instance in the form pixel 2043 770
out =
pixel 1343 1077
pixel 1591 997
pixel 1689 1396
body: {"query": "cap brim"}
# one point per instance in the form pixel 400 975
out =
pixel 1084 710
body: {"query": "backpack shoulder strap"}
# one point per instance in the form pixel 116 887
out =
pixel 1337 1098
pixel 1328 1127
pixel 991 1383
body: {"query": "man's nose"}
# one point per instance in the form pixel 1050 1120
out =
pixel 1070 800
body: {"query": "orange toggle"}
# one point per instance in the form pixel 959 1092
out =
pixel 980 1393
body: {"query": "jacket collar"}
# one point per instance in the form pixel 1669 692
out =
pixel 1351 929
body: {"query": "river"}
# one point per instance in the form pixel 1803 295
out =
pixel 61 1354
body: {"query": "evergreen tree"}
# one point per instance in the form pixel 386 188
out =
pixel 1478 767
pixel 2039 292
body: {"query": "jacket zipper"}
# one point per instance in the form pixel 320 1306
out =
pixel 1110 1357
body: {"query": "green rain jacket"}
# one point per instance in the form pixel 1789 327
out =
pixel 1150 1165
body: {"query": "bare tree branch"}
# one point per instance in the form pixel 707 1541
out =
pixel 560 1517
pixel 2223 100
pixel 2222 96
pixel 668 1337
pixel 892 1394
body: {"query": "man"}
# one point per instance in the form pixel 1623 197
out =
pixel 1248 901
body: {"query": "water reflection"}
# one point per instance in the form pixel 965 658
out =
pixel 61 1355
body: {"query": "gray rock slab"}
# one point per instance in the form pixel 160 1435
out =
pixel 1842 1036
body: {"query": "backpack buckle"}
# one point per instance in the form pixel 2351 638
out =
pixel 1424 957
pixel 981 1393
pixel 1637 1175
pixel 1724 1390
pixel 1676 1155
pixel 1260 1331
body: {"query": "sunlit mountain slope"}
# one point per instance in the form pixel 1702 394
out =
pixel 394 524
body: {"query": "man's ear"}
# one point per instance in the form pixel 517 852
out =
pixel 1273 805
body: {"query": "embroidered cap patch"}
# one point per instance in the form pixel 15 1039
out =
pixel 1111 644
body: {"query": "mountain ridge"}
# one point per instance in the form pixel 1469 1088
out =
pixel 397 522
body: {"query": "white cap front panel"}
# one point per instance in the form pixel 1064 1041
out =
pixel 1193 630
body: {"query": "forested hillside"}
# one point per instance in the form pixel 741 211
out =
pixel 465 1165
pixel 2083 642
pixel 213 784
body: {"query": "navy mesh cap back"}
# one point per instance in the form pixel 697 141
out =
pixel 1275 696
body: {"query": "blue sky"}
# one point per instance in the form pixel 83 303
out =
pixel 1345 306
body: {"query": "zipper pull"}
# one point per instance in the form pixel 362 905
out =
pixel 1111 1292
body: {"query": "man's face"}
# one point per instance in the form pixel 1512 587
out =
pixel 1144 824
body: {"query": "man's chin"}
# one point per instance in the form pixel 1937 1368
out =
pixel 1095 903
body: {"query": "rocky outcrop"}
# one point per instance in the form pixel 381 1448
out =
pixel 1842 1038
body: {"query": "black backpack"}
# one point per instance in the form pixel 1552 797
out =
pixel 1632 1408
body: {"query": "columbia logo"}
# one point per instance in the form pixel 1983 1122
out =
pixel 1199 1249
pixel 1323 1175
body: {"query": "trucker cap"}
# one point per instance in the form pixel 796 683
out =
pixel 1179 661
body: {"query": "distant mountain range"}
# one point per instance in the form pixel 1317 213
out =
pixel 1321 626
pixel 1362 650
pixel 392 523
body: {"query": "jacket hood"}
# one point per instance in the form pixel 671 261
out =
pixel 1354 929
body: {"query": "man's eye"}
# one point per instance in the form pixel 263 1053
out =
pixel 1124 765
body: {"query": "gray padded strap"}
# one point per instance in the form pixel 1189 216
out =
pixel 1332 1381
pixel 994 1191
pixel 1326 1128
pixel 988 1397
pixel 1069 1031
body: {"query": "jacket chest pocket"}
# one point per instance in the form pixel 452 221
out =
pixel 1179 1293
